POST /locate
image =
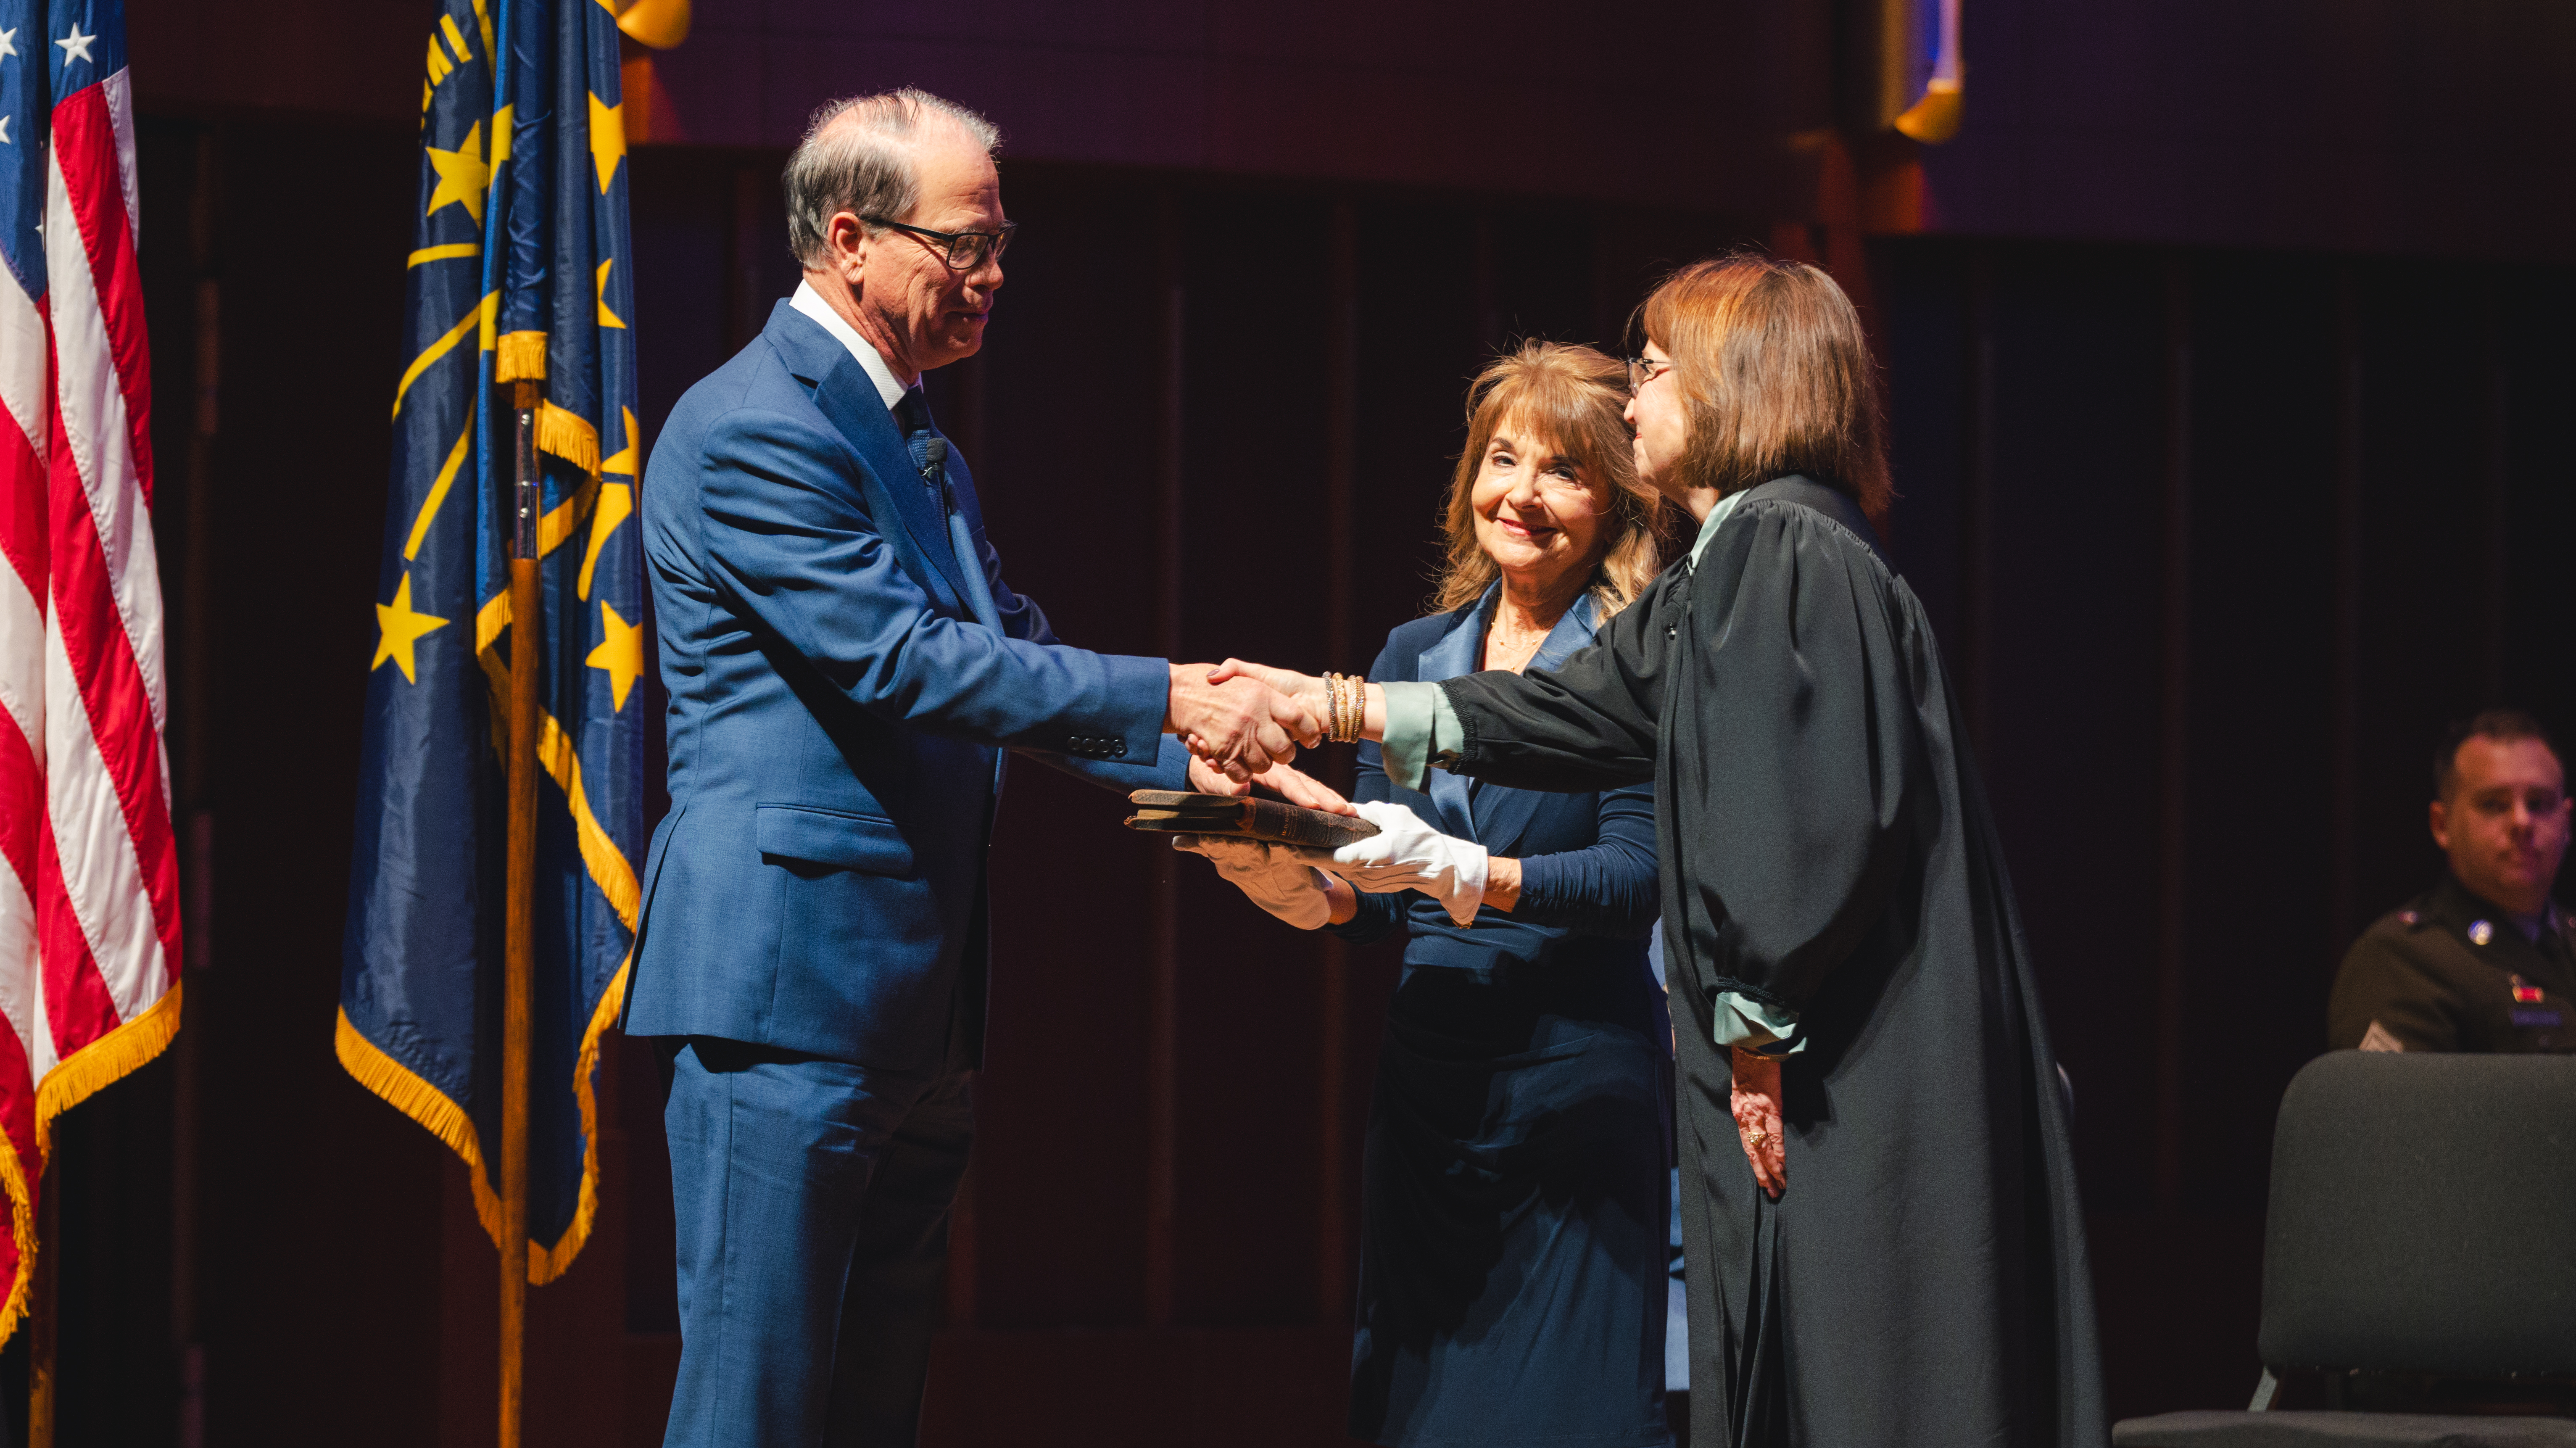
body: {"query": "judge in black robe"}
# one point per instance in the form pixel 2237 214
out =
pixel 1828 867
pixel 1825 849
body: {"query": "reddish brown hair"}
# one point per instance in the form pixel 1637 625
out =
pixel 1573 397
pixel 1776 374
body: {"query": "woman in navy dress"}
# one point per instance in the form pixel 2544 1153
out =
pixel 1515 1195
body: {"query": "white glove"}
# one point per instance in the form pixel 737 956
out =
pixel 1406 854
pixel 1271 875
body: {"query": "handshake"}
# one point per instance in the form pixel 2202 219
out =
pixel 1239 719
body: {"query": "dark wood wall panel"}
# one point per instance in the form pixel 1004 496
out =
pixel 2072 692
pixel 2534 313
pixel 1253 577
pixel 2425 528
pixel 2257 806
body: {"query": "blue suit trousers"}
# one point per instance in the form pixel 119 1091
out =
pixel 812 1199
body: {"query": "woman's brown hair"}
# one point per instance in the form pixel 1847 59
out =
pixel 1776 374
pixel 1574 398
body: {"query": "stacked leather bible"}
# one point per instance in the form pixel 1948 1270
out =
pixel 1242 817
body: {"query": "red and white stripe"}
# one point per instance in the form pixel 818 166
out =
pixel 89 896
pixel 112 951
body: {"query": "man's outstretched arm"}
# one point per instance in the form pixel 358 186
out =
pixel 791 540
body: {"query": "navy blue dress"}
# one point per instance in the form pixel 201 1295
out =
pixel 1515 1192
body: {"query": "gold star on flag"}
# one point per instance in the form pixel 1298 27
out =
pixel 607 318
pixel 621 463
pixel 621 653
pixel 616 502
pixel 463 175
pixel 398 628
pixel 607 140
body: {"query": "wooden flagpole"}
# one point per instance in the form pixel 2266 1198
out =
pixel 40 1318
pixel 527 640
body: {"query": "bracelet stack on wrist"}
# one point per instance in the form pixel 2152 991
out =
pixel 1345 707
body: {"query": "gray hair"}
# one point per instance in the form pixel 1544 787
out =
pixel 854 159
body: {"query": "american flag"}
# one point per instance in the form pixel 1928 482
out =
pixel 89 896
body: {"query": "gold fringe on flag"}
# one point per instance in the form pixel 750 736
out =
pixel 407 1093
pixel 568 435
pixel 74 1079
pixel 94 1067
pixel 521 355
pixel 22 1230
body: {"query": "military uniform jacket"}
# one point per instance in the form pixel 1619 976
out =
pixel 2450 972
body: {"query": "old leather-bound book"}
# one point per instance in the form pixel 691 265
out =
pixel 1245 818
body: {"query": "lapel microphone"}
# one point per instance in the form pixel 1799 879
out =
pixel 935 459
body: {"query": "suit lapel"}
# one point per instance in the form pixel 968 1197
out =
pixel 1453 655
pixel 847 396
pixel 1508 811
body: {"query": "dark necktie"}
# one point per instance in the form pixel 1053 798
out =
pixel 912 414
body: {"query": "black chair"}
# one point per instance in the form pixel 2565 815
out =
pixel 2421 1230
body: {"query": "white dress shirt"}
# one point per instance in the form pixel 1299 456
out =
pixel 811 303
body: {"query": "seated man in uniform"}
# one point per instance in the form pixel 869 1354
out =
pixel 2485 960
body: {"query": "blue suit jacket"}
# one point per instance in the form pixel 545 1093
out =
pixel 1588 885
pixel 837 718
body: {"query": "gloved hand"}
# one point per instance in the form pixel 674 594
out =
pixel 1270 875
pixel 1406 854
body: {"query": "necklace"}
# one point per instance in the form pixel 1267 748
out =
pixel 1505 649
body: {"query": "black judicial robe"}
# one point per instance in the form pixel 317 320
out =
pixel 1825 846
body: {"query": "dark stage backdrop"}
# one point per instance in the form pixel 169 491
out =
pixel 2216 541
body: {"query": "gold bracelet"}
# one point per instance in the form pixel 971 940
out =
pixel 1334 709
pixel 1344 694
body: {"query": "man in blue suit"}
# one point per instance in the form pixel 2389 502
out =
pixel 846 670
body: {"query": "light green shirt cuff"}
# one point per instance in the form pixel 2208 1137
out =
pixel 1708 528
pixel 1765 1029
pixel 1421 731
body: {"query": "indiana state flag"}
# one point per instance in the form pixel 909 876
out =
pixel 519 270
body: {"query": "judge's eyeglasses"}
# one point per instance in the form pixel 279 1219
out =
pixel 1642 370
pixel 963 250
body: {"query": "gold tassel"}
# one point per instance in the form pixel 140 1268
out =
pixel 568 435
pixel 521 355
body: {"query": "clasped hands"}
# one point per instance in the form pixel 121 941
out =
pixel 1236 725
pixel 1240 719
